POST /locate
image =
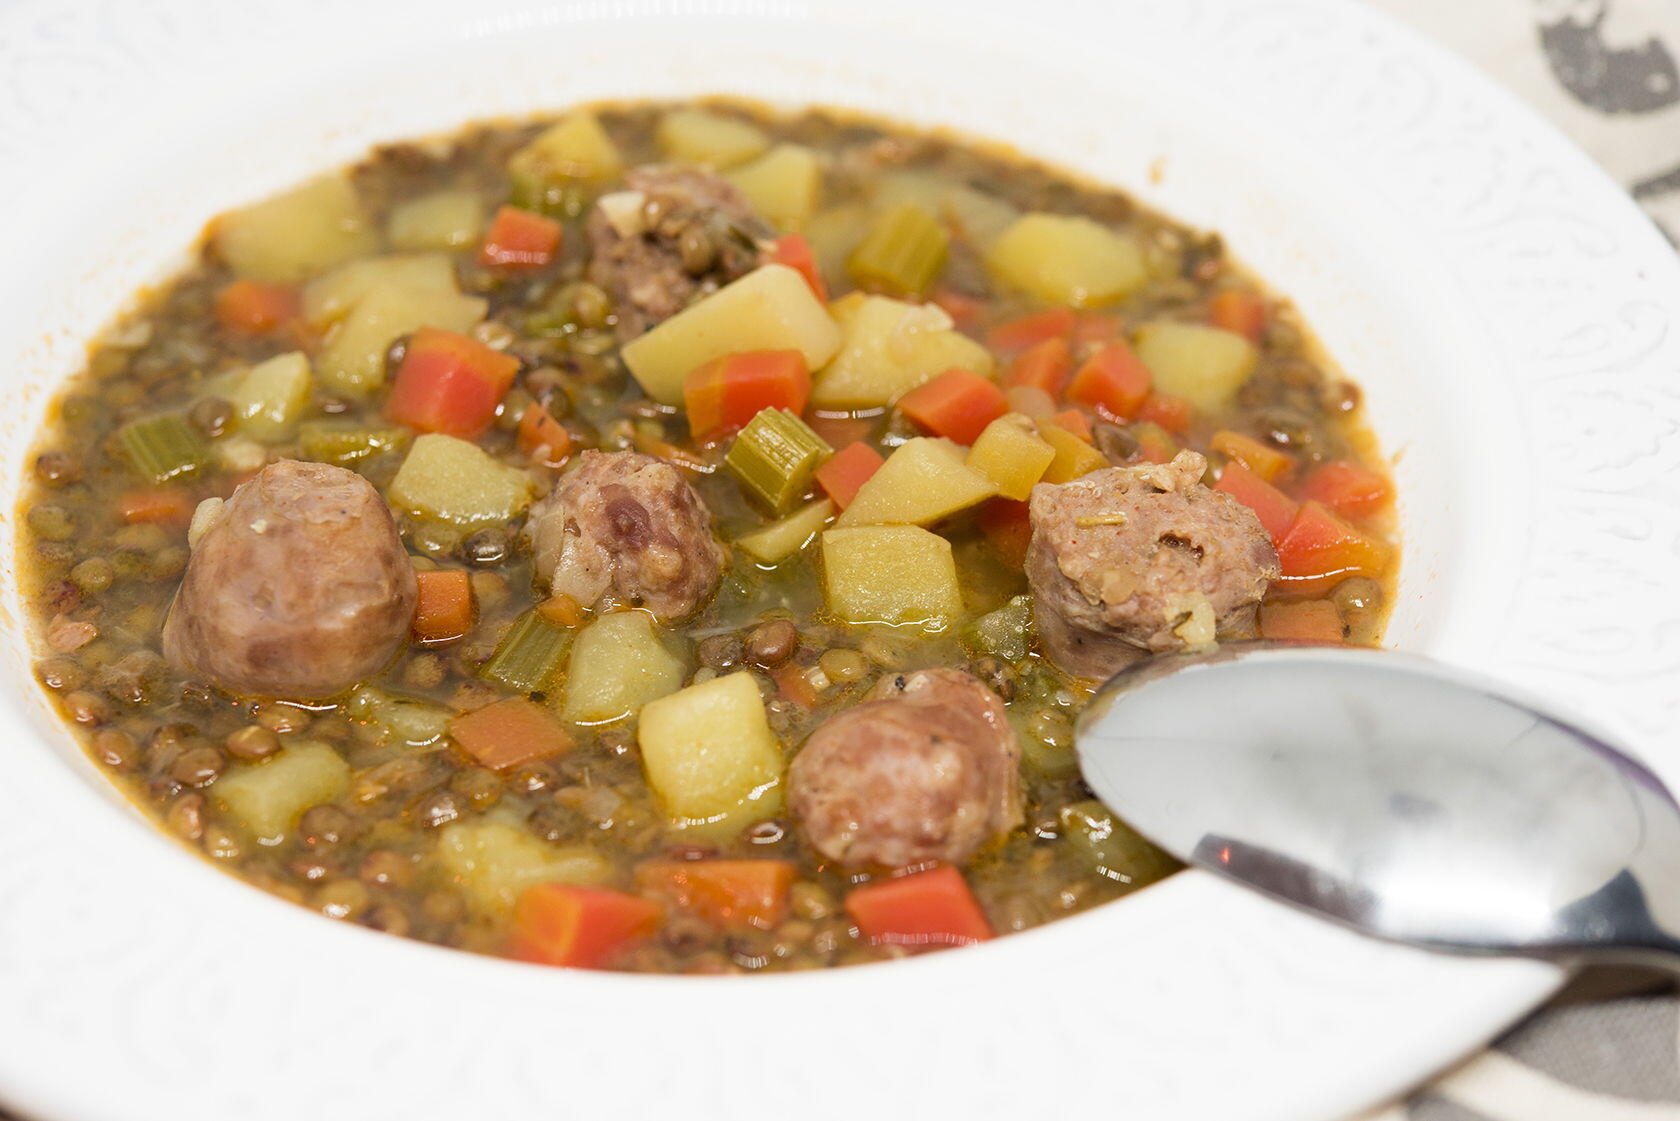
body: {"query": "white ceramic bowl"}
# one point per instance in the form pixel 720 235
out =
pixel 1510 314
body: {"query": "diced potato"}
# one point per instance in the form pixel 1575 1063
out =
pixel 493 861
pixel 771 308
pixel 922 481
pixel 271 396
pixel 353 359
pixel 328 297
pixel 925 189
pixel 890 574
pixel 1204 365
pixel 1074 457
pixel 617 665
pixel 456 481
pixel 782 185
pixel 440 220
pixel 1063 259
pixel 286 238
pixel 978 216
pixel 267 798
pixel 834 233
pixel 710 755
pixel 782 539
pixel 1011 454
pixel 697 136
pixel 891 347
pixel 575 147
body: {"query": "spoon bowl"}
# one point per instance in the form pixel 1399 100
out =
pixel 1398 796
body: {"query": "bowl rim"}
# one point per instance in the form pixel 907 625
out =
pixel 1629 259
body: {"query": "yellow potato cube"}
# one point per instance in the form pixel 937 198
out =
pixel 710 755
pixel 456 481
pixel 328 297
pixel 697 136
pixel 1011 455
pixel 890 574
pixel 286 238
pixel 924 480
pixel 353 359
pixel 440 220
pixel 494 861
pixel 782 539
pixel 271 396
pixel 617 665
pixel 771 308
pixel 783 184
pixel 1074 457
pixel 267 798
pixel 891 347
pixel 1063 259
pixel 1204 365
pixel 575 147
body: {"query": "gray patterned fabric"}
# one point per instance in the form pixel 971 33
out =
pixel 1607 72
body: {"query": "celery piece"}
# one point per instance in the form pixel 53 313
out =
pixel 528 657
pixel 902 253
pixel 164 447
pixel 1005 633
pixel 774 457
pixel 1114 849
pixel 341 442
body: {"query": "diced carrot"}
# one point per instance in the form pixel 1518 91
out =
pixel 510 733
pixel 1043 366
pixel 1172 413
pixel 581 927
pixel 1030 330
pixel 1111 379
pixel 450 383
pixel 1239 311
pixel 1265 461
pixel 542 438
pixel 1076 422
pixel 444 611
pixel 1320 550
pixel 725 892
pixel 1308 620
pixel 1093 327
pixel 520 239
pixel 1008 527
pixel 932 908
pixel 1155 444
pixel 795 684
pixel 562 610
pixel 844 472
pixel 1352 490
pixel 956 404
pixel 722 395
pixel 963 309
pixel 156 505
pixel 254 308
pixel 795 252
pixel 1275 509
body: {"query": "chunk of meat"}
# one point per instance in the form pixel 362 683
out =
pixel 926 768
pixel 630 524
pixel 672 233
pixel 1135 560
pixel 300 588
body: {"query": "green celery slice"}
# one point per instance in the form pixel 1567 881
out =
pixel 530 655
pixel 164 447
pixel 902 253
pixel 774 458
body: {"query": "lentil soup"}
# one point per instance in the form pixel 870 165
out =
pixel 679 537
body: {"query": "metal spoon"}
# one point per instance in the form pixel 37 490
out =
pixel 1394 795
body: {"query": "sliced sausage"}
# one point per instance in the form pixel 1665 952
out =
pixel 629 524
pixel 926 768
pixel 671 234
pixel 1135 560
pixel 299 588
